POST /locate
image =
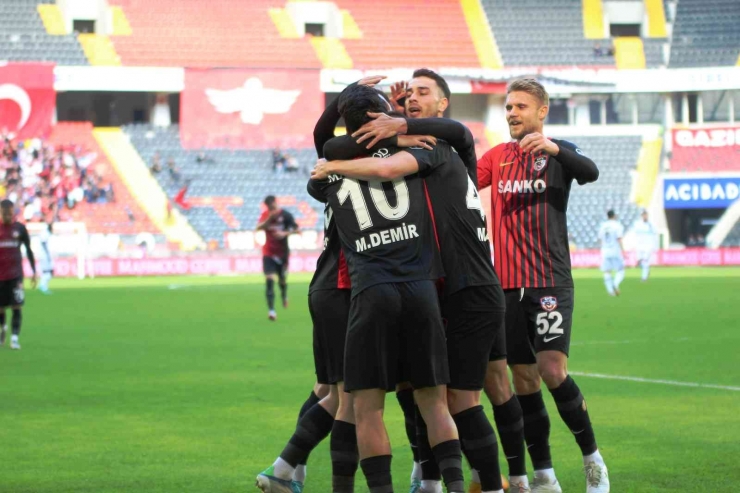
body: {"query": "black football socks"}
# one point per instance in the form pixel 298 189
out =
pixel 573 410
pixel 510 427
pixel 344 457
pixel 536 429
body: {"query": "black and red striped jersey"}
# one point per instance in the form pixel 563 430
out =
pixel 331 267
pixel 529 200
pixel 12 236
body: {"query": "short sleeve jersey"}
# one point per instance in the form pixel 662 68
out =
pixel 12 236
pixel 610 232
pixel 385 228
pixel 331 268
pixel 645 235
pixel 276 247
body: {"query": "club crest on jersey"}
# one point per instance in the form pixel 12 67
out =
pixel 540 163
pixel 549 303
pixel 16 234
pixel 382 153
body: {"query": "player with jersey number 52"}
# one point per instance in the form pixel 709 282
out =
pixel 530 179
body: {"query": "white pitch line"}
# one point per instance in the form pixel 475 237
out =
pixel 662 382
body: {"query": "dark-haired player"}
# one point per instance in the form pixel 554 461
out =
pixel 12 235
pixel 328 303
pixel 395 331
pixel 277 224
pixel 530 180
pixel 471 309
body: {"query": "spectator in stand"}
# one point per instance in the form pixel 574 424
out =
pixel 174 171
pixel 202 158
pixel 278 160
pixel 291 163
pixel 156 166
pixel 42 179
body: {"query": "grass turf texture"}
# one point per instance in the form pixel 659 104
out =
pixel 182 384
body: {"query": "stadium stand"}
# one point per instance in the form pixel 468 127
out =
pixel 712 159
pixel 208 33
pixel 733 237
pixel 654 52
pixel 225 189
pixel 553 33
pixel 616 158
pixel 386 26
pixel 23 36
pixel 67 178
pixel 706 34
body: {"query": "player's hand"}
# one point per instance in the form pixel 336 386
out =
pixel 537 142
pixel 423 141
pixel 34 280
pixel 320 171
pixel 398 91
pixel 380 127
pixel 370 81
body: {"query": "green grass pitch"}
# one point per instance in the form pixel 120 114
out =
pixel 183 385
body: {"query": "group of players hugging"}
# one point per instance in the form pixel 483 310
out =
pixel 407 298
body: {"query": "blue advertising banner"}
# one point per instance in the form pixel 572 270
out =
pixel 700 193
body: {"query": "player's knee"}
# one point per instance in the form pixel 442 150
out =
pixel 321 390
pixel 526 379
pixel 553 373
pixel 497 385
pixel 461 400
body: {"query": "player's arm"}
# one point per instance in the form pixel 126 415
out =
pixel 26 241
pixel 572 159
pixel 485 166
pixel 324 129
pixel 370 168
pixel 455 133
pixel 290 225
pixel 264 220
pixel 315 189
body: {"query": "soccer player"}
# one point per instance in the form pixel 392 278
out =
pixel 12 235
pixel 530 180
pixel 395 328
pixel 329 298
pixel 47 264
pixel 645 241
pixel 611 232
pixel 426 98
pixel 277 224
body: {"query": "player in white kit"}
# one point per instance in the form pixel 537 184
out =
pixel 612 260
pixel 645 243
pixel 45 261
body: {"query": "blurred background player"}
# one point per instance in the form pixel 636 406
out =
pixel 45 260
pixel 645 243
pixel 612 259
pixel 277 224
pixel 12 235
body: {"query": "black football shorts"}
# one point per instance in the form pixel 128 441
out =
pixel 395 334
pixel 11 292
pixel 475 334
pixel 329 310
pixel 274 265
pixel 537 319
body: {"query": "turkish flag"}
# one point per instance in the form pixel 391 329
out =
pixel 27 99
pixel 249 108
